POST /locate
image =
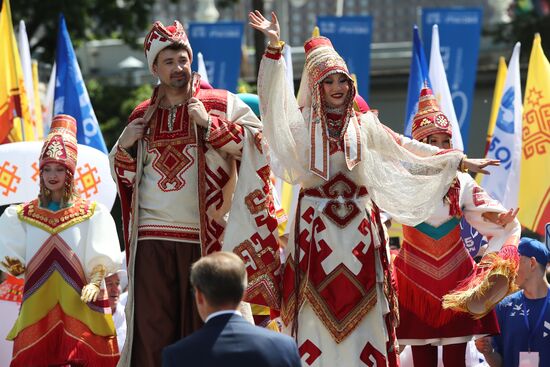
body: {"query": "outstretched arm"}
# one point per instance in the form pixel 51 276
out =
pixel 284 127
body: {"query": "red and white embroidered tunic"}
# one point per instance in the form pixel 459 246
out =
pixel 168 187
pixel 337 299
pixel 434 260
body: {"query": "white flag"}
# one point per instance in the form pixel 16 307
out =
pixel 26 65
pixel 202 68
pixel 503 182
pixel 440 88
pixel 49 102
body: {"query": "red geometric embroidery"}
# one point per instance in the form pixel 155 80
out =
pixel 310 350
pixel 8 178
pixel 254 201
pixel 262 269
pixel 536 128
pixel 339 213
pixel 372 357
pixel 170 144
pixel 480 197
pixel 87 181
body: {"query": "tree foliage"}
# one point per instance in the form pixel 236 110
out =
pixel 113 104
pixel 86 20
pixel 525 23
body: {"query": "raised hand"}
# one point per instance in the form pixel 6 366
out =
pixel 478 165
pixel 13 266
pixel 269 28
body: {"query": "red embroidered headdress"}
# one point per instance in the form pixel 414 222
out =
pixel 429 119
pixel 321 61
pixel 60 145
pixel 160 37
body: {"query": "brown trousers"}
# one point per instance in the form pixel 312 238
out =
pixel 164 308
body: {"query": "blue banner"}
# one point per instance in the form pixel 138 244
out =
pixel 459 37
pixel 71 97
pixel 418 77
pixel 351 37
pixel 220 44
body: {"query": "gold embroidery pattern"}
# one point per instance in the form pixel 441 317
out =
pixel 55 222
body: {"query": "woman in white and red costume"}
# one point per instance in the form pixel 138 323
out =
pixel 62 245
pixel 337 298
pixel 433 259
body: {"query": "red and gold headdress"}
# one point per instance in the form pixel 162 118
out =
pixel 60 145
pixel 160 37
pixel 429 119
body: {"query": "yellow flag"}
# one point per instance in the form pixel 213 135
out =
pixel 534 194
pixel 37 103
pixel 13 103
pixel 10 103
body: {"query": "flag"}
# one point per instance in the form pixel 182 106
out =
pixel 71 96
pixel 497 95
pixel 27 95
pixel 10 70
pixel 37 103
pixel 440 88
pixel 534 197
pixel 503 182
pixel 47 109
pixel 201 67
pixel 418 77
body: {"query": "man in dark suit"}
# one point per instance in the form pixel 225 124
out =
pixel 227 339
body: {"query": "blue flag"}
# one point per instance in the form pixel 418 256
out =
pixel 418 75
pixel 71 97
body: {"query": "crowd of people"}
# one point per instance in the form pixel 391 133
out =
pixel 193 171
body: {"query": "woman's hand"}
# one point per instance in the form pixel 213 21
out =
pixel 269 28
pixel 502 219
pixel 478 165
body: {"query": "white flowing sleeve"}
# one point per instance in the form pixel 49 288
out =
pixel 102 246
pixel 417 147
pixel 13 236
pixel 405 185
pixel 475 201
pixel 285 131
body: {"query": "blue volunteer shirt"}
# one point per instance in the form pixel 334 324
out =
pixel 514 334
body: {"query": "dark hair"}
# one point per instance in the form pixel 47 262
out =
pixel 221 277
pixel 176 46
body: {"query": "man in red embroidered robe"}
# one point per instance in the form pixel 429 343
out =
pixel 175 165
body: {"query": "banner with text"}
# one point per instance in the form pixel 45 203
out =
pixel 460 34
pixel 351 37
pixel 220 44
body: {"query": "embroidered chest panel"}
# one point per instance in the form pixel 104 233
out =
pixel 169 138
pixel 55 222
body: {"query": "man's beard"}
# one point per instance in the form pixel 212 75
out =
pixel 180 83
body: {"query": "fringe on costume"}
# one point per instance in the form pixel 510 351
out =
pixel 479 283
pixel 424 304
